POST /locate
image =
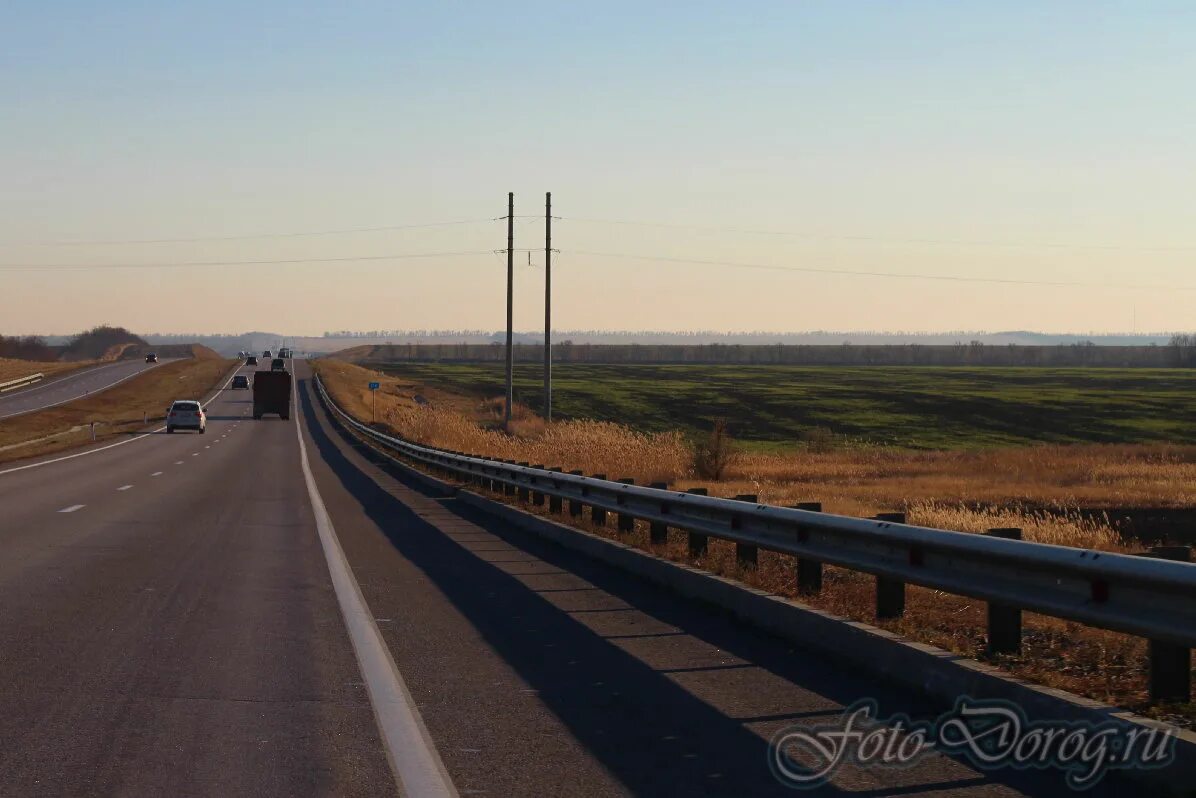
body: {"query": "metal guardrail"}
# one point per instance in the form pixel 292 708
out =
pixel 20 382
pixel 1141 596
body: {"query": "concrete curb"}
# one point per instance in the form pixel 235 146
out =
pixel 932 672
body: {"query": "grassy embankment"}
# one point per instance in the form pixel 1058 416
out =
pixel 11 369
pixel 932 487
pixel 117 411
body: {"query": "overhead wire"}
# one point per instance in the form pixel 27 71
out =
pixel 251 236
pixel 877 239
pixel 865 273
pixel 199 263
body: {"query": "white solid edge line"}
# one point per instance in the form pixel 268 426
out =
pixel 413 757
pixel 118 443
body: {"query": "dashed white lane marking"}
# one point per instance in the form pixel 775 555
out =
pixel 195 454
pixel 72 508
pixel 124 487
pixel 413 757
pixel 159 473
pixel 111 445
pixel 178 462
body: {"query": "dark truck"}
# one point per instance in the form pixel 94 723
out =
pixel 272 393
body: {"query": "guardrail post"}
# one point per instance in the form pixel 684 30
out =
pixel 507 488
pixel 597 514
pixel 523 493
pixel 537 496
pixel 658 533
pixel 575 506
pixel 554 502
pixel 809 572
pixel 626 522
pixel 1170 663
pixel 746 554
pixel 1004 622
pixel 890 593
pixel 697 541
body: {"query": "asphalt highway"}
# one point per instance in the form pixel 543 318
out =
pixel 175 620
pixel 74 385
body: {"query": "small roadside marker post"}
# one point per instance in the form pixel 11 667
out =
pixel 374 386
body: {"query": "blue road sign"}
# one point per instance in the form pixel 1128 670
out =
pixel 375 386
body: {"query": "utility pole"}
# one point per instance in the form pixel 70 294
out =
pixel 548 306
pixel 510 309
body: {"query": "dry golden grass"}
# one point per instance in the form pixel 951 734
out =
pixel 11 369
pixel 595 447
pixel 116 411
pixel 865 481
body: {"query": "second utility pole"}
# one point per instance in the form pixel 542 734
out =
pixel 548 306
pixel 510 309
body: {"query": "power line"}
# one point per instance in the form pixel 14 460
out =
pixel 892 275
pixel 878 239
pixel 196 263
pixel 300 234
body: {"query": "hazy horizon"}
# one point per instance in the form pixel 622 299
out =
pixel 768 165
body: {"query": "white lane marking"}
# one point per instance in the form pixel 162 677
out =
pixel 178 462
pixel 72 508
pixel 413 757
pixel 195 454
pixel 159 473
pixel 118 443
pixel 124 487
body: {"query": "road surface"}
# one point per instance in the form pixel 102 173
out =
pixel 172 626
pixel 74 385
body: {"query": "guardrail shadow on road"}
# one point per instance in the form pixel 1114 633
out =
pixel 656 736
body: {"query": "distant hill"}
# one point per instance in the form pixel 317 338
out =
pixel 197 351
pixel 100 343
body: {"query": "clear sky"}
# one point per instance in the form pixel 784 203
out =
pixel 1017 141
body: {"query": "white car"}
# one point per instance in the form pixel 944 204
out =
pixel 186 414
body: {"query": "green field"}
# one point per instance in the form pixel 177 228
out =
pixel 913 407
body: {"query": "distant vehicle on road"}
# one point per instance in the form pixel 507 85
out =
pixel 186 414
pixel 240 383
pixel 285 353
pixel 151 358
pixel 278 364
pixel 251 361
pixel 272 394
pixel 267 354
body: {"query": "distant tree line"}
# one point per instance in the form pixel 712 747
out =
pixel 1181 353
pixel 27 347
